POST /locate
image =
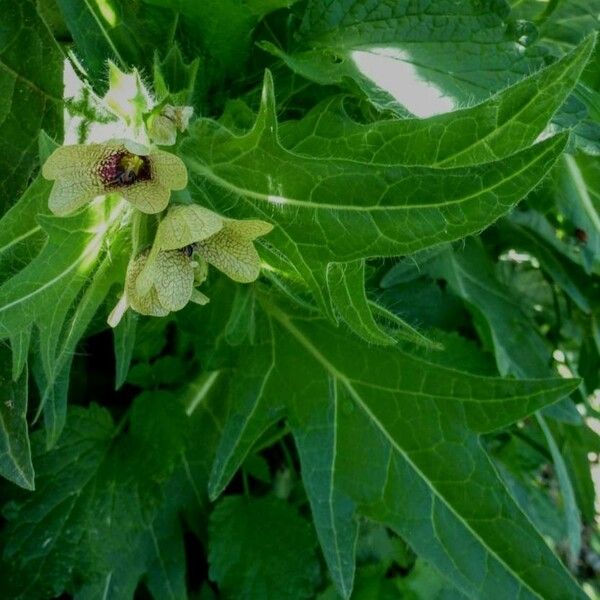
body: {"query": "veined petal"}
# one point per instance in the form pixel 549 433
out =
pixel 168 170
pixel 146 304
pixel 79 160
pixel 173 277
pixel 149 196
pixel 185 224
pixel 232 254
pixel 248 229
pixel 68 195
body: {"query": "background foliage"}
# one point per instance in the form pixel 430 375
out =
pixel 405 405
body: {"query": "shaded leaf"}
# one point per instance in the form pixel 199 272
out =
pixel 385 399
pixel 31 97
pixel 15 453
pixel 250 553
pixel 122 31
pixel 108 502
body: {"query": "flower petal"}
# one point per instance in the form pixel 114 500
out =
pixel 231 254
pixel 185 224
pixel 173 277
pixel 168 170
pixel 79 160
pixel 146 304
pixel 148 196
pixel 68 195
pixel 199 298
pixel 248 229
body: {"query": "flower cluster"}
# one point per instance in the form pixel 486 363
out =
pixel 162 278
pixel 190 237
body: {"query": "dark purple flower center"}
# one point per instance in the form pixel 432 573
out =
pixel 123 168
pixel 188 250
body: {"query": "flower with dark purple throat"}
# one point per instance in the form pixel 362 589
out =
pixel 143 177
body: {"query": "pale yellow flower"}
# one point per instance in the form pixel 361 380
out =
pixel 163 279
pixel 85 171
pixel 227 244
pixel 172 283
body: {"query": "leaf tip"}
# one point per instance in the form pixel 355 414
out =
pixel 267 116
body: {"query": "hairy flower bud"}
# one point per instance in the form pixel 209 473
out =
pixel 163 127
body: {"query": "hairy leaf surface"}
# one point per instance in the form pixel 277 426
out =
pixel 336 210
pixel 451 52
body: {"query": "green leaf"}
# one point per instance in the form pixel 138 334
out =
pixel 224 27
pixel 570 278
pixel 346 285
pixel 409 464
pixel 174 79
pixel 31 94
pixel 428 58
pixel 125 32
pixel 124 342
pixel 567 22
pixel 60 290
pixel 21 235
pixel 106 510
pixel 91 478
pixel 577 193
pixel 572 515
pixel 505 123
pixel 347 289
pixel 518 348
pixel 250 553
pixel 15 453
pixel 362 209
pixel 575 449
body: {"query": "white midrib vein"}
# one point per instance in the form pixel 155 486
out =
pixel 308 345
pixel 9 452
pixel 338 557
pixel 201 394
pixel 208 173
pixel 19 238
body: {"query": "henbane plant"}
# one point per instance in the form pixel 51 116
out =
pixel 299 299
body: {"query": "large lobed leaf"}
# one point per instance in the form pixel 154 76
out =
pixel 342 191
pixel 394 438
